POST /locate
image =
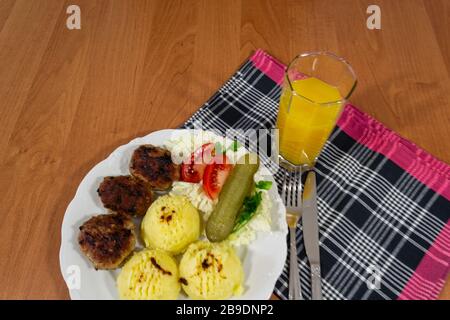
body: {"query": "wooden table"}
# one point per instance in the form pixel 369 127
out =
pixel 69 97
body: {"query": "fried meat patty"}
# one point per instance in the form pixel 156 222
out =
pixel 154 165
pixel 125 194
pixel 107 239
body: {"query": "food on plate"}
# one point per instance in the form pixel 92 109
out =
pixel 125 194
pixel 216 173
pixel 245 230
pixel 211 271
pixel 107 239
pixel 207 164
pixel 154 165
pixel 251 205
pixel 149 275
pixel 237 186
pixel 196 195
pixel 192 169
pixel 215 201
pixel 171 224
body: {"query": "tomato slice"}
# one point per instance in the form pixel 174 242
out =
pixel 215 175
pixel 192 170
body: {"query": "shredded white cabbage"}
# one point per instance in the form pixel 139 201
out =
pixel 194 192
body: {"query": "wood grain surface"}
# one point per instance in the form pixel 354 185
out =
pixel 69 97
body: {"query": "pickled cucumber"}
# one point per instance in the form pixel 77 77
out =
pixel 236 188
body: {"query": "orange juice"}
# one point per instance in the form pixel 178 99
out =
pixel 306 120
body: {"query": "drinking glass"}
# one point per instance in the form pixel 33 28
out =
pixel 316 87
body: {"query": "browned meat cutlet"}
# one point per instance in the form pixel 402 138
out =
pixel 125 194
pixel 107 239
pixel 154 165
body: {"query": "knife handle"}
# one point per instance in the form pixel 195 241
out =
pixel 316 286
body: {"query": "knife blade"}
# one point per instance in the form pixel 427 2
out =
pixel 311 233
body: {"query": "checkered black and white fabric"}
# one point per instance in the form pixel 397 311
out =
pixel 384 205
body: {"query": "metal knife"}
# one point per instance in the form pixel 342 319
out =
pixel 311 232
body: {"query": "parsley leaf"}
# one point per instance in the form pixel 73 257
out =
pixel 251 204
pixel 234 146
pixel 264 185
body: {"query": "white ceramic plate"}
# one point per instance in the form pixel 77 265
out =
pixel 263 259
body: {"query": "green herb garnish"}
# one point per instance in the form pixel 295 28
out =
pixel 263 185
pixel 234 146
pixel 251 204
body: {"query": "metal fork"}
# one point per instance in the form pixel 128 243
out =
pixel 291 195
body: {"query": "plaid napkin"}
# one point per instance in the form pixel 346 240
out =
pixel 384 204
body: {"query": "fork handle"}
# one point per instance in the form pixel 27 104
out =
pixel 294 278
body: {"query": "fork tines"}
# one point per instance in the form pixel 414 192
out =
pixel 291 188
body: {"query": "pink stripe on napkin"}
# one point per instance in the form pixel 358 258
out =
pixel 269 65
pixel 428 280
